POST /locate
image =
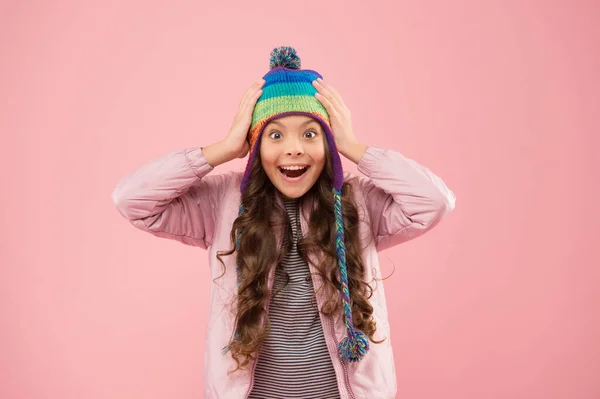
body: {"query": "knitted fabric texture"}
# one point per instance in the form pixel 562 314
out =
pixel 288 90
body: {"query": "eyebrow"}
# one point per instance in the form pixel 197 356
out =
pixel 303 124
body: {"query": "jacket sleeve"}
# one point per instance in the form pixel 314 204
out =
pixel 404 199
pixel 171 197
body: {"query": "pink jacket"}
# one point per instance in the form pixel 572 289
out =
pixel 176 197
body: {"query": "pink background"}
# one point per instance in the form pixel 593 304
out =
pixel 498 98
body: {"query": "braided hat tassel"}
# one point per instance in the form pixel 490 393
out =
pixel 356 344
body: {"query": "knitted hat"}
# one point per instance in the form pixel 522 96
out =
pixel 288 90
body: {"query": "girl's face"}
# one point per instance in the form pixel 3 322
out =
pixel 288 141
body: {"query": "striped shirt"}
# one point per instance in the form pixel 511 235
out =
pixel 293 361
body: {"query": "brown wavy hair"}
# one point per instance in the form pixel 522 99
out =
pixel 258 252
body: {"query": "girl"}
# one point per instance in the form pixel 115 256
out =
pixel 292 241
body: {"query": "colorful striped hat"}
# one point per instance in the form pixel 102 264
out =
pixel 288 90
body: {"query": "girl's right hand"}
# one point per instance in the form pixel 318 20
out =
pixel 237 138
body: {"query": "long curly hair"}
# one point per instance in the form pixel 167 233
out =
pixel 258 253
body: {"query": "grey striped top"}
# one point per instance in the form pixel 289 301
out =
pixel 293 361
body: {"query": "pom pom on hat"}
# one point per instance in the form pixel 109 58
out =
pixel 284 56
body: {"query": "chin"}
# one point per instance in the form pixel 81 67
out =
pixel 293 192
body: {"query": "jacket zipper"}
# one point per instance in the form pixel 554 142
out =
pixel 346 379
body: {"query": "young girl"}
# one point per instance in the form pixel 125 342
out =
pixel 292 241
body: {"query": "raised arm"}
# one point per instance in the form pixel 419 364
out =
pixel 404 199
pixel 172 196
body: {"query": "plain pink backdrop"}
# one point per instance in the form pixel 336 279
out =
pixel 500 99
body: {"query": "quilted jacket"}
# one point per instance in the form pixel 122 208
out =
pixel 177 197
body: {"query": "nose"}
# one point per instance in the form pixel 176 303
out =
pixel 294 152
pixel 294 147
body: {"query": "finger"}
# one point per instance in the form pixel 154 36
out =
pixel 326 93
pixel 256 85
pixel 251 92
pixel 334 93
pixel 249 100
pixel 331 110
pixel 251 103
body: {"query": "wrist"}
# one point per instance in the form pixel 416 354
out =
pixel 353 151
pixel 226 150
pixel 217 153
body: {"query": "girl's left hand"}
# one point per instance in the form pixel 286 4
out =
pixel 339 114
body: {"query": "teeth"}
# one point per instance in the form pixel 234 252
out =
pixel 293 167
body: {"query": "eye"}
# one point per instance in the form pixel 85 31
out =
pixel 308 131
pixel 273 132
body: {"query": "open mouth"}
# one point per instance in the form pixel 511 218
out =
pixel 292 174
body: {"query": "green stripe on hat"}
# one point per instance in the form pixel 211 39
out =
pixel 278 105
